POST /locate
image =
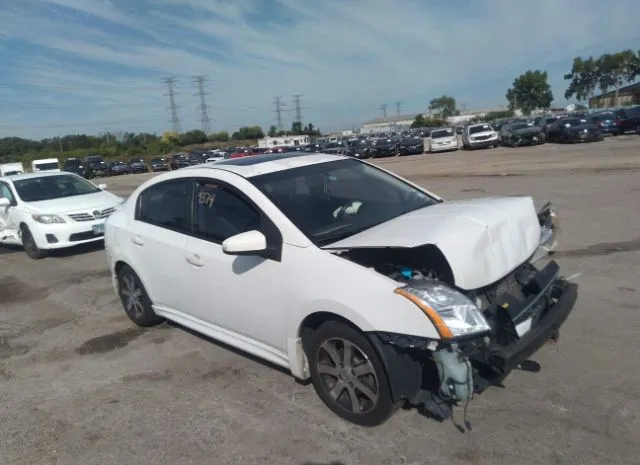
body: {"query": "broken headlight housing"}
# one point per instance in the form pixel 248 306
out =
pixel 452 313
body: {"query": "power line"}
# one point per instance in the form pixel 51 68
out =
pixel 398 107
pixel 279 104
pixel 296 103
pixel 205 122
pixel 384 110
pixel 175 120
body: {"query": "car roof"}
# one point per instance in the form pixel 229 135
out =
pixel 254 165
pixel 41 174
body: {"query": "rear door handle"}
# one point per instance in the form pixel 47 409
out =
pixel 195 260
pixel 137 240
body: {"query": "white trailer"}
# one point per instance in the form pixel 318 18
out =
pixel 45 164
pixel 7 169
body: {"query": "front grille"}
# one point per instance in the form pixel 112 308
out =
pixel 481 137
pixel 83 236
pixel 93 215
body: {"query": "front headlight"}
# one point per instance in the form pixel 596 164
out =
pixel 452 313
pixel 47 219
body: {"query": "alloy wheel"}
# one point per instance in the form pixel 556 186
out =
pixel 348 375
pixel 132 296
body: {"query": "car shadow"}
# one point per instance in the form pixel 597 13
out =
pixel 229 348
pixel 9 249
pixel 80 249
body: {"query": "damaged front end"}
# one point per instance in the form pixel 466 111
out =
pixel 485 333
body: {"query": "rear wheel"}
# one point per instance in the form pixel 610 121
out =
pixel 349 376
pixel 30 246
pixel 135 300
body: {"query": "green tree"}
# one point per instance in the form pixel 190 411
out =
pixel 296 128
pixel 584 79
pixel 445 106
pixel 273 130
pixel 617 69
pixel 248 132
pixel 222 136
pixel 530 91
pixel 419 121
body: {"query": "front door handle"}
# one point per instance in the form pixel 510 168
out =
pixel 137 240
pixel 195 260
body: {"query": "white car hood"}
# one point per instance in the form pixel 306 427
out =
pixel 77 203
pixel 482 134
pixel 483 239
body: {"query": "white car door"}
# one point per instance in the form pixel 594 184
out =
pixel 244 296
pixel 8 220
pixel 156 239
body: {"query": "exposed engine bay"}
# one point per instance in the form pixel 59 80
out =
pixel 523 310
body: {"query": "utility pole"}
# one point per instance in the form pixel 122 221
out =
pixel 279 104
pixel 205 122
pixel 106 131
pixel 59 142
pixel 398 107
pixel 296 103
pixel 384 110
pixel 175 120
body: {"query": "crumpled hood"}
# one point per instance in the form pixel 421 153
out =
pixel 77 203
pixel 483 239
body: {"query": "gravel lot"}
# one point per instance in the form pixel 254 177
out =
pixel 81 385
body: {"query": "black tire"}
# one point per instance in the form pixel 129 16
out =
pixel 135 300
pixel 373 375
pixel 29 245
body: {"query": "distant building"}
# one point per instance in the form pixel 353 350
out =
pixel 283 141
pixel 628 95
pixel 391 123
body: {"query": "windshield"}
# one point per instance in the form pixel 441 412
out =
pixel 72 163
pixel 515 127
pixel 442 133
pixel 53 187
pixel 46 166
pixel 481 128
pixel 314 196
pixel 411 140
pixel 157 160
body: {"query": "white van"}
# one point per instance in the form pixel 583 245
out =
pixel 7 169
pixel 46 164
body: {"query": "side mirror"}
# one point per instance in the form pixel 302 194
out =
pixel 102 186
pixel 4 202
pixel 246 243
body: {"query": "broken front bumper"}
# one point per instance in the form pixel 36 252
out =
pixel 555 303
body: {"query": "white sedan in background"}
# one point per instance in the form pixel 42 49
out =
pixel 441 140
pixel 52 210
pixel 345 274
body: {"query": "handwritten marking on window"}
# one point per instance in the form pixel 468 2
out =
pixel 206 198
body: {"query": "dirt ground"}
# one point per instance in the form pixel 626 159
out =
pixel 80 385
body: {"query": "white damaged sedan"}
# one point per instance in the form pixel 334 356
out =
pixel 375 289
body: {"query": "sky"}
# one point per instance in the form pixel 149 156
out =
pixel 90 66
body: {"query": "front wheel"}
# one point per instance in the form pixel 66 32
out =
pixel 348 375
pixel 135 300
pixel 30 246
